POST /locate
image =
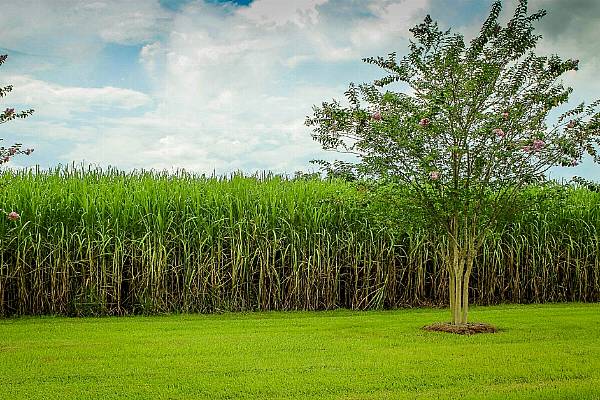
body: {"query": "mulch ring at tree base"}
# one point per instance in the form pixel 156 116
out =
pixel 464 329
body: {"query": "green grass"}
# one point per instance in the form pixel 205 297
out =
pixel 542 352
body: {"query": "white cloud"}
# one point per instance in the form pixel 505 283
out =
pixel 73 29
pixel 275 13
pixel 56 101
pixel 208 142
pixel 231 89
pixel 233 93
pixel 392 19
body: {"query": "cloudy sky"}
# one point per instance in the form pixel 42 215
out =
pixel 209 85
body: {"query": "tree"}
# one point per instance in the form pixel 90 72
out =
pixel 6 153
pixel 468 134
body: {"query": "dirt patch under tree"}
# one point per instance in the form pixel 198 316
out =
pixel 464 329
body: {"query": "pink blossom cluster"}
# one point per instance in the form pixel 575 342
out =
pixel 13 215
pixel 424 122
pixel 11 152
pixel 434 175
pixel 537 145
pixel 571 124
pixel 499 132
pixel 376 116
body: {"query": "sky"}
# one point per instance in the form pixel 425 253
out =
pixel 215 86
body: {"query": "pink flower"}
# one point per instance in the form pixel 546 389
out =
pixel 6 159
pixel 573 163
pixel 28 151
pixel 505 115
pixel 499 132
pixel 571 124
pixel 434 175
pixel 424 122
pixel 538 144
pixel 527 149
pixel 13 216
pixel 376 116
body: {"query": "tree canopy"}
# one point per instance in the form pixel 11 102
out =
pixel 7 115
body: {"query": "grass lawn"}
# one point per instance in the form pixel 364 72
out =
pixel 542 352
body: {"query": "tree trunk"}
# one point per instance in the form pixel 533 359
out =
pixel 459 262
pixel 466 277
pixel 452 292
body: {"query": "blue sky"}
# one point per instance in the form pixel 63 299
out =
pixel 208 85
